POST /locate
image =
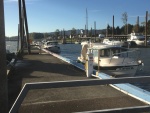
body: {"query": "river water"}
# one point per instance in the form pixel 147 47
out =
pixel 72 51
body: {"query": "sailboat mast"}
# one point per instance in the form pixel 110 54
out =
pixel 86 22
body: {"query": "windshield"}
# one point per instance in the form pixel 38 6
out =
pixel 111 52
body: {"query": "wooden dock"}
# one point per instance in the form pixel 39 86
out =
pixel 46 68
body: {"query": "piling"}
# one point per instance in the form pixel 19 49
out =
pixel 26 26
pixel 146 28
pixel 20 23
pixel 3 70
pixel 113 28
pixel 95 30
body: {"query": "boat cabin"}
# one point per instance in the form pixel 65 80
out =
pixel 107 51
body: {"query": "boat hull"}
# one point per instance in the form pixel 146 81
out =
pixel 129 70
pixel 54 49
pixel 118 71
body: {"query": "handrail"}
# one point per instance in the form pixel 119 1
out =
pixel 126 52
pixel 72 83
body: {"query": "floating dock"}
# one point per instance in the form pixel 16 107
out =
pixel 49 68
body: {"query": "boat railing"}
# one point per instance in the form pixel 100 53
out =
pixel 133 54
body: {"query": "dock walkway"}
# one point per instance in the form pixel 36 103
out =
pixel 45 68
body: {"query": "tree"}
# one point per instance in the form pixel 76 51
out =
pixel 130 28
pixel 46 35
pixel 125 20
pixel 73 32
pixel 141 29
pixel 57 33
pixel 109 29
pixel 118 30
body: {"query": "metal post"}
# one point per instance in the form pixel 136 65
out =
pixel 86 22
pixel 127 28
pixel 85 31
pixel 23 31
pixel 18 47
pixel 26 26
pixel 95 30
pixel 91 32
pixel 20 23
pixel 138 24
pixel 71 36
pixel 107 31
pixel 146 28
pixel 98 61
pixel 113 28
pixel 3 74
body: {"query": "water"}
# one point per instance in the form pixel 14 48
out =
pixel 11 46
pixel 72 51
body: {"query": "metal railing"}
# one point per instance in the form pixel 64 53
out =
pixel 133 54
pixel 77 83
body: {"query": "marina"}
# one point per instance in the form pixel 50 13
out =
pixel 41 68
pixel 102 69
pixel 66 51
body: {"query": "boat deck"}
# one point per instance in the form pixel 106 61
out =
pixel 47 68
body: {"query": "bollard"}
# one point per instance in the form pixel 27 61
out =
pixel 89 65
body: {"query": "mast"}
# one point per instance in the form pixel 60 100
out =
pixel 113 28
pixel 86 22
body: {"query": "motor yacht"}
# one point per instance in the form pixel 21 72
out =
pixel 138 38
pixel 52 46
pixel 111 41
pixel 111 59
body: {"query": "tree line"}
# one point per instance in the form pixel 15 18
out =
pixel 130 28
pixel 127 28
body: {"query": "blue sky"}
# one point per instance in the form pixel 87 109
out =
pixel 49 15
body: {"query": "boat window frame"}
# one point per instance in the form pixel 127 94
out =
pixel 110 54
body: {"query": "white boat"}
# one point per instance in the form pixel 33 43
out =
pixel 112 60
pixel 77 42
pixel 52 46
pixel 111 41
pixel 138 38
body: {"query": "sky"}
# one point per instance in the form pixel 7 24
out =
pixel 49 15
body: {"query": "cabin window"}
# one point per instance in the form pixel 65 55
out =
pixel 113 52
pixel 141 39
pixel 95 53
pixel 118 52
pixel 105 53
